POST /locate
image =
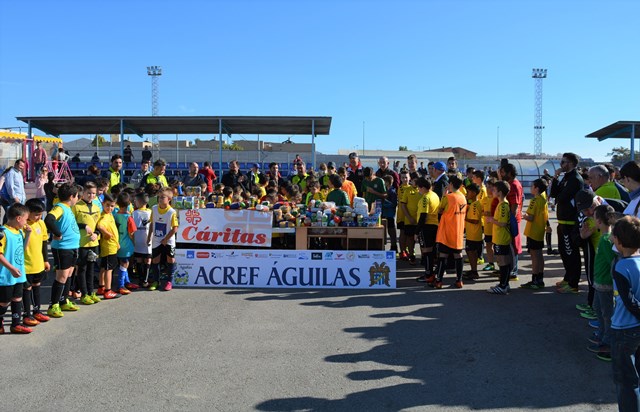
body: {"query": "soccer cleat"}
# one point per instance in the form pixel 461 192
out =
pixel 513 278
pixel 20 329
pixel 153 286
pixel 567 290
pixel 489 267
pixel 431 279
pixel 54 311
pixel 124 291
pixel 583 307
pixel 562 283
pixel 109 294
pixel 1 329
pixel 167 287
pixel 437 285
pixel 471 275
pixel 458 284
pixel 498 290
pixel 100 291
pixel 132 286
pixel 589 314
pixel 86 300
pixel 604 356
pixel 30 321
pixel 404 256
pixel 480 261
pixel 95 298
pixel 41 317
pixel 412 260
pixel 533 285
pixel 145 284
pixel 69 306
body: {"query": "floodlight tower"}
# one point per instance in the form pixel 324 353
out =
pixel 538 75
pixel 154 72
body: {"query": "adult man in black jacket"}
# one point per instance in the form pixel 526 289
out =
pixel 564 190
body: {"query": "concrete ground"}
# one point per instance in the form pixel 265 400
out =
pixel 410 349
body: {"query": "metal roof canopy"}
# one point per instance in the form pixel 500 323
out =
pixel 619 130
pixel 141 125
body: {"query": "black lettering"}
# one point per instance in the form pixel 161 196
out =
pixel 294 277
pixel 340 275
pixel 253 274
pixel 201 274
pixel 211 275
pixel 353 273
pixel 274 275
pixel 228 275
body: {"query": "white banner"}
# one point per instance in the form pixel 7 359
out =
pixel 348 269
pixel 240 227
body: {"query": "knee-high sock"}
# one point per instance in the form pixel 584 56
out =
pixel 427 264
pixel 459 265
pixel 65 291
pixel 171 268
pixel 57 289
pixel 547 237
pixel 442 266
pixel 36 298
pixel 16 313
pixel 155 272
pixel 26 299
pixel 505 272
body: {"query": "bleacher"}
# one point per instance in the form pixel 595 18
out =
pixel 175 170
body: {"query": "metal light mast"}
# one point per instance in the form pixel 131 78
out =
pixel 538 75
pixel 154 72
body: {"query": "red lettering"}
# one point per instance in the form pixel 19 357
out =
pixel 236 234
pixel 186 234
pixel 261 239
pixel 246 238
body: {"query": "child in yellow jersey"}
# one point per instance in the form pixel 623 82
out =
pixel 35 263
pixel 427 227
pixel 87 213
pixel 488 226
pixel 109 245
pixel 162 236
pixel 473 228
pixel 537 216
pixel 501 237
pixel 450 236
pixel 409 205
pixel 404 185
pixel 478 178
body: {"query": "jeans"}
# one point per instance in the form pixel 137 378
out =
pixel 625 350
pixel 603 306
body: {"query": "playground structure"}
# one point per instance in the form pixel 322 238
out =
pixel 16 145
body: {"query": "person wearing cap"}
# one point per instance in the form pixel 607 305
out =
pixel 566 183
pixel 300 178
pixel 441 180
pixel 193 178
pixel 331 170
pixel 355 172
pixel 253 177
pixel 384 170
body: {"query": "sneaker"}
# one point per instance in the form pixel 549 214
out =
pixel 589 314
pixel 153 286
pixel 583 307
pixel 422 279
pixel 403 256
pixel 167 287
pixel 437 285
pixel 471 275
pixel 69 306
pixel 124 291
pixel 533 285
pixel 109 294
pixel 594 324
pixel 595 348
pixel 132 286
pixel 30 321
pixel 595 339
pixel 489 267
pixel 54 311
pixel 562 283
pixel 498 290
pixel 513 278
pixel 21 329
pixel 95 298
pixel 145 285
pixel 86 300
pixel 604 356
pixel 458 284
pixel 100 291
pixel 41 317
pixel 1 329
pixel 567 290
pixel 480 261
pixel 431 279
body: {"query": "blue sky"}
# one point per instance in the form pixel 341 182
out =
pixel 422 74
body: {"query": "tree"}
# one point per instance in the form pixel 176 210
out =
pixel 403 149
pixel 101 140
pixel 621 154
pixel 233 147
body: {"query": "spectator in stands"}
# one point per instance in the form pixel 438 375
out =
pixel 95 158
pixel 384 170
pixel 62 155
pixel 39 158
pixel 253 177
pixel 114 173
pixel 146 155
pixel 92 174
pixel 157 174
pixel 128 154
pixel 139 175
pixel 209 176
pixel 234 177
pixel 193 178
pixel 354 172
pixel 76 158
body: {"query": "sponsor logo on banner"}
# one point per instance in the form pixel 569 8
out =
pixel 378 255
pixel 351 255
pixel 225 227
pixel 391 254
pixel 364 256
pixel 202 255
pixel 256 269
pixel 328 256
pixel 191 254
pixel 290 255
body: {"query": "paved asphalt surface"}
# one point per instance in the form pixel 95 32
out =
pixel 411 349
